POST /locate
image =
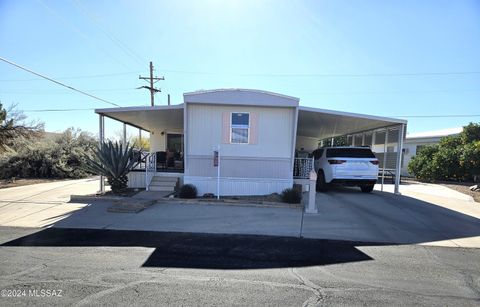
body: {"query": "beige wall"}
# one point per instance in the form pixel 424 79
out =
pixel 264 167
pixel 275 129
pixel 158 141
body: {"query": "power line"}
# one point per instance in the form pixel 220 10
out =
pixel 402 116
pixel 77 77
pixel 57 82
pixel 56 110
pixel 328 74
pixel 28 91
pixel 80 33
pixel 95 20
pixel 436 116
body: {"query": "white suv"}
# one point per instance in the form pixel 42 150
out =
pixel 354 166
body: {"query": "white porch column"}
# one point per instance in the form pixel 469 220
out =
pixel 101 137
pixel 124 136
pixel 399 159
pixel 140 137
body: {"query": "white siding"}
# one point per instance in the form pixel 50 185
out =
pixel 239 186
pixel 275 129
pixel 136 179
pixel 246 169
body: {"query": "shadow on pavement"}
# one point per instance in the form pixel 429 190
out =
pixel 385 217
pixel 206 251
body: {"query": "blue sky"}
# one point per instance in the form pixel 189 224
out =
pixel 358 56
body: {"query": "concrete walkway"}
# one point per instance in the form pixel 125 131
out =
pixel 42 204
pixel 199 218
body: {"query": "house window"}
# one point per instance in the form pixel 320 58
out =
pixel 240 128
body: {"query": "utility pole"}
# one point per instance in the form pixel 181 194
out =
pixel 152 80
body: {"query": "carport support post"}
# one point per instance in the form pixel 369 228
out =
pixel 101 137
pixel 399 159
pixel 384 157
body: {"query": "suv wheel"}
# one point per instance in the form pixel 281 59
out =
pixel 367 188
pixel 321 185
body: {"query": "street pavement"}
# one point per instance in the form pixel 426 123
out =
pixel 128 268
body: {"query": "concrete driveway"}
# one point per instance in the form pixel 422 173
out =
pixel 42 204
pixel 423 214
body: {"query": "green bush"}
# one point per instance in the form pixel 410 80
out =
pixel 49 156
pixel 454 158
pixel 187 191
pixel 292 196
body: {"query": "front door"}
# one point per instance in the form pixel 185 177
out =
pixel 175 143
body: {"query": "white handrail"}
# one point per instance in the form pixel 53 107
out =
pixel 302 167
pixel 150 168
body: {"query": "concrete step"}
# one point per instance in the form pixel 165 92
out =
pixel 160 188
pixel 163 183
pixel 164 179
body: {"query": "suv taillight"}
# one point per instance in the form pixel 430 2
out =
pixel 336 161
pixel 374 162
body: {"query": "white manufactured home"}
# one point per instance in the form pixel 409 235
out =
pixel 258 136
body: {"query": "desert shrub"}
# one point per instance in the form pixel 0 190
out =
pixel 49 156
pixel 187 191
pixel 113 160
pixel 292 196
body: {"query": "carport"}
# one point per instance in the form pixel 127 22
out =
pixel 320 127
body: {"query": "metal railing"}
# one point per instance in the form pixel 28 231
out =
pixel 150 168
pixel 302 167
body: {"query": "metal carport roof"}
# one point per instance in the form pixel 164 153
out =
pixel 147 118
pixel 323 124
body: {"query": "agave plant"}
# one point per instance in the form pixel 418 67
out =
pixel 114 161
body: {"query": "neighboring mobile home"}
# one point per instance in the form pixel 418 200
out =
pixel 255 132
pixel 415 141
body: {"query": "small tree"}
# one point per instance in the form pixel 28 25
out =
pixel 13 125
pixel 422 165
pixel 470 159
pixel 455 157
pixel 114 161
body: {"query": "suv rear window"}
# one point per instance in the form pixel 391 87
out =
pixel 350 153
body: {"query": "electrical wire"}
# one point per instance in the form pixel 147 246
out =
pixel 80 33
pixel 56 110
pixel 328 74
pixel 95 20
pixel 77 77
pixel 437 116
pixel 57 82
